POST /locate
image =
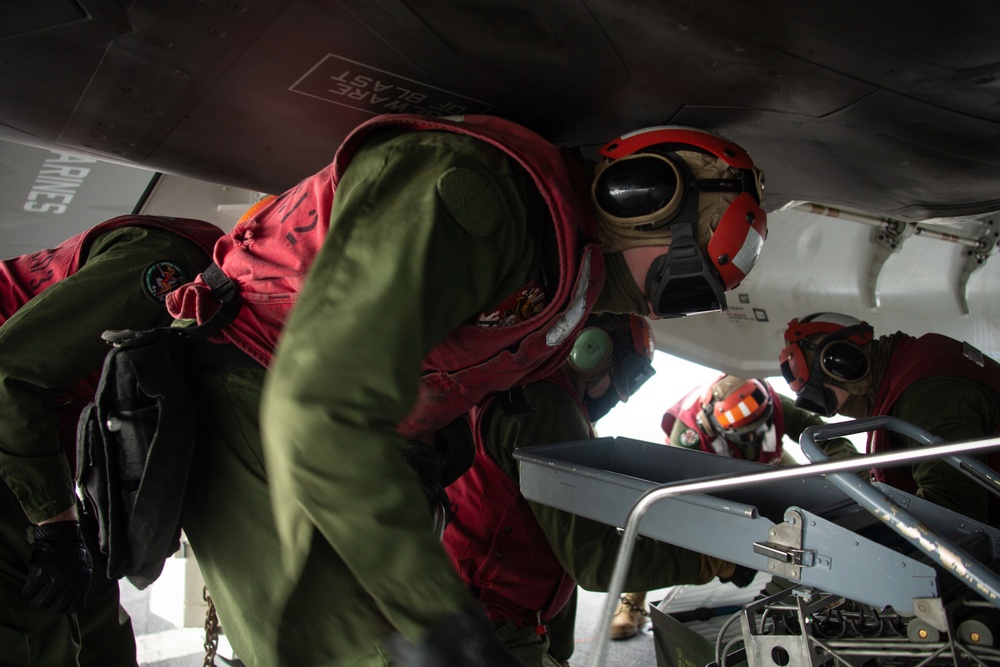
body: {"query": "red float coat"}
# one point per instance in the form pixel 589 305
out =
pixel 270 269
pixel 495 542
pixel 22 278
pixel 687 410
pixel 915 359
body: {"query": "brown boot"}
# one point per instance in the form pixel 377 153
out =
pixel 630 616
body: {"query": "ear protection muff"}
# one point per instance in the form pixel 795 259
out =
pixel 619 345
pixel 592 352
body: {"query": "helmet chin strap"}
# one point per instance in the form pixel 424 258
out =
pixel 705 422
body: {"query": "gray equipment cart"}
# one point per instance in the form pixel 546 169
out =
pixel 873 573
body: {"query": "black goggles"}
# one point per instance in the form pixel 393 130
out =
pixel 650 187
pixel 629 372
pixel 837 357
pixel 844 360
pixel 647 187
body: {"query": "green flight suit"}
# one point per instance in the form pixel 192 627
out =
pixel 587 549
pixel 404 263
pixel 956 410
pixel 46 347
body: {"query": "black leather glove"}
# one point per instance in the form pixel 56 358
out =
pixel 742 577
pixel 429 464
pixel 461 640
pixel 60 569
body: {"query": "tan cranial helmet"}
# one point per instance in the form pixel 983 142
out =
pixel 690 189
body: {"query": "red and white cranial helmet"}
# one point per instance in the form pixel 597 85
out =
pixel 824 348
pixel 694 190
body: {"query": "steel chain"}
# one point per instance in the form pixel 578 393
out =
pixel 211 630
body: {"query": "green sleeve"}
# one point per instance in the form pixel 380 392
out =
pixel 427 230
pixel 798 420
pixel 587 549
pixel 54 341
pixel 955 410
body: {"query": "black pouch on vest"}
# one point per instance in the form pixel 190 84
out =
pixel 138 435
pixel 135 443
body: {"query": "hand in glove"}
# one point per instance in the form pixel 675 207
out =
pixel 727 572
pixel 429 464
pixel 741 577
pixel 465 639
pixel 60 569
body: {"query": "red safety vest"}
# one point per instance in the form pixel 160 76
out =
pixel 268 253
pixel 24 277
pixel 915 359
pixel 687 410
pixel 495 542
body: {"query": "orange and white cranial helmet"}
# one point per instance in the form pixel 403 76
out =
pixel 694 190
pixel 740 410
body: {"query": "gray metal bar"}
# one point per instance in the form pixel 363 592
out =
pixel 982 474
pixel 936 546
pixel 986 476
pixel 889 459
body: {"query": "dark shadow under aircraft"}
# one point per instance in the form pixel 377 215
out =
pixel 884 114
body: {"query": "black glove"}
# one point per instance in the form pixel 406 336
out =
pixel 429 464
pixel 461 640
pixel 741 577
pixel 60 569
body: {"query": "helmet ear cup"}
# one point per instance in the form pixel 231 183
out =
pixel 592 351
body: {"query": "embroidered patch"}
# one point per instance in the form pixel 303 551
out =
pixel 472 200
pixel 689 438
pixel 519 306
pixel 161 278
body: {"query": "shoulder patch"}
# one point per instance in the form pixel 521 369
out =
pixel 689 438
pixel 161 278
pixel 472 199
